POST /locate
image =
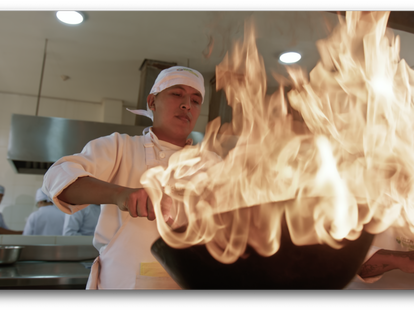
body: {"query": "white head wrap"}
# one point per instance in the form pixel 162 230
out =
pixel 174 76
pixel 41 196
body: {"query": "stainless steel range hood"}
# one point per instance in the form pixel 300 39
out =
pixel 35 143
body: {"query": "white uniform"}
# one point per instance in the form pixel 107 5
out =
pixel 124 243
pixel 47 220
pixel 83 222
pixel 2 223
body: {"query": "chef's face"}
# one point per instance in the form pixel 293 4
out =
pixel 176 110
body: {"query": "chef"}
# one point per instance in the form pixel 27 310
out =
pixel 47 220
pixel 108 172
pixel 82 222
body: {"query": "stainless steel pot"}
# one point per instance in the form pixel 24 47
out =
pixel 9 254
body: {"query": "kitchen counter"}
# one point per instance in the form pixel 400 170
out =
pixel 45 275
pixel 48 262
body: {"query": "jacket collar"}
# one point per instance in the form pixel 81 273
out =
pixel 155 139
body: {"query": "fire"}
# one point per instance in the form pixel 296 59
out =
pixel 352 170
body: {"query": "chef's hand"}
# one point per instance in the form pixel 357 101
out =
pixel 385 260
pixel 138 204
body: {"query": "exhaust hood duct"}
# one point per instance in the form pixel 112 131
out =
pixel 35 143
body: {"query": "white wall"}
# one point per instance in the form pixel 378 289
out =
pixel 19 198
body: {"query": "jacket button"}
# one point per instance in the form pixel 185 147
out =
pixel 162 155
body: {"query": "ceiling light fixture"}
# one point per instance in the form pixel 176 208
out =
pixel 70 17
pixel 290 57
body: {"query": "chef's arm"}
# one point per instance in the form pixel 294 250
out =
pixel 385 260
pixel 89 190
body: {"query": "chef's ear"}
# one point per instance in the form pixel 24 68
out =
pixel 151 102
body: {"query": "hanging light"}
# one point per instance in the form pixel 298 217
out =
pixel 70 17
pixel 290 57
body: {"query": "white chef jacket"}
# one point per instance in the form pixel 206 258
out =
pixel 47 220
pixel 82 222
pixel 119 159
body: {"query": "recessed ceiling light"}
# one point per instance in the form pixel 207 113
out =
pixel 70 17
pixel 290 57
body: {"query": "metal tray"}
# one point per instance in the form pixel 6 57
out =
pixel 58 252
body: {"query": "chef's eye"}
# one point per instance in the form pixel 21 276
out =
pixel 176 94
pixel 195 101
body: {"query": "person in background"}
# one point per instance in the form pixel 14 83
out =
pixel 3 228
pixel 2 223
pixel 47 220
pixel 82 222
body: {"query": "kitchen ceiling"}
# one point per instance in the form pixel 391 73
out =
pixel 102 56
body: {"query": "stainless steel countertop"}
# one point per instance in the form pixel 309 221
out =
pixel 45 275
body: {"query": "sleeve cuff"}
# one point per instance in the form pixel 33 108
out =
pixel 58 184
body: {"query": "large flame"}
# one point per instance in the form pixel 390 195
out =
pixel 352 170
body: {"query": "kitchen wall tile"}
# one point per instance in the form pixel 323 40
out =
pixel 20 214
pixel 20 204
pixel 19 223
pixel 70 110
pixel 24 192
pixel 51 108
pixel 5 119
pixel 15 215
pixel 9 171
pixel 89 112
pixel 13 103
pixel 5 107
pixel 112 111
pixel 25 105
pixel 27 180
pixel 128 118
pixel 4 137
pixel 28 239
